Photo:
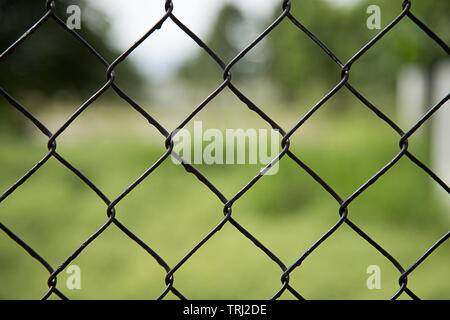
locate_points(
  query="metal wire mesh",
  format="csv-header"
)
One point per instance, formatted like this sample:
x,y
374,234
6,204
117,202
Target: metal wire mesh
x,y
343,212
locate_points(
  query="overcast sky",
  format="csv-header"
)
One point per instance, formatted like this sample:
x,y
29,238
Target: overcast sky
x,y
169,46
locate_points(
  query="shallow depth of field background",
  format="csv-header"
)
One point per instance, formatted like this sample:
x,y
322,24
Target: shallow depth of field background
x,y
111,144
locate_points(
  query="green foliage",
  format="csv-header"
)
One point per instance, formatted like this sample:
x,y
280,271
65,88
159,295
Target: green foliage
x,y
171,211
221,40
299,66
301,70
51,62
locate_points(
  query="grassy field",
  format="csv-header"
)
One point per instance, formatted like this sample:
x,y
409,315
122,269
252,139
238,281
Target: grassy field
x,y
171,211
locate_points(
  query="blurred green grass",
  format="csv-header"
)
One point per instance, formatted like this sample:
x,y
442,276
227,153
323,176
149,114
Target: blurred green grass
x,y
171,211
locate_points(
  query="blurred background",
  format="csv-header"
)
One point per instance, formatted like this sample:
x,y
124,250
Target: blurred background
x,y
285,75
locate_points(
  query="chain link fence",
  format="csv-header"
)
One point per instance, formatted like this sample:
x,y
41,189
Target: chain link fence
x,y
286,268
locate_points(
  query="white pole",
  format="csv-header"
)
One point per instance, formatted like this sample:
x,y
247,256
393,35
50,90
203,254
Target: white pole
x,y
440,143
411,96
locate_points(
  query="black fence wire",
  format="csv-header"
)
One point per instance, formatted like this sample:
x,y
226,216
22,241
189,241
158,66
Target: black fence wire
x,y
343,216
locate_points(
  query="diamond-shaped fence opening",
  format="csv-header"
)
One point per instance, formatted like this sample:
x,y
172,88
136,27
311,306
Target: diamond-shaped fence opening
x,y
223,213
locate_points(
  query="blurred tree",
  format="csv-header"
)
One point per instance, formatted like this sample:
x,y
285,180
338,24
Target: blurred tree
x,y
295,63
51,61
298,66
222,40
